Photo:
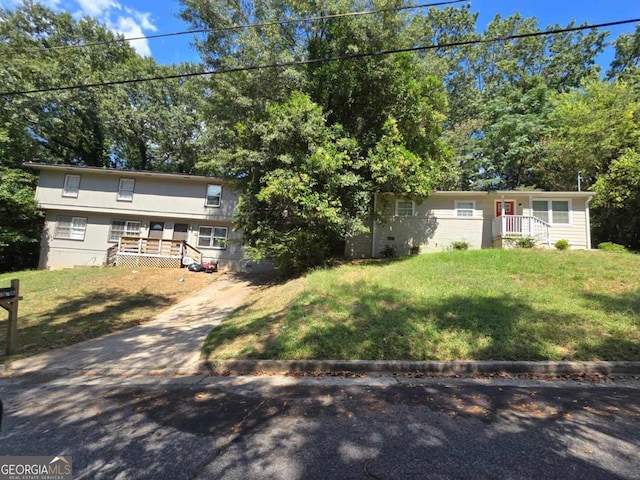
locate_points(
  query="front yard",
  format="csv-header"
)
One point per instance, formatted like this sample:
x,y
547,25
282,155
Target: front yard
x,y
67,306
474,305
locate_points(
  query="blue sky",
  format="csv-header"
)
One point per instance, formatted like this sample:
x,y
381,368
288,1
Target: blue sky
x,y
147,17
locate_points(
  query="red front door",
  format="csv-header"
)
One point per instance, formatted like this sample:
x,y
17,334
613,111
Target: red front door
x,y
508,208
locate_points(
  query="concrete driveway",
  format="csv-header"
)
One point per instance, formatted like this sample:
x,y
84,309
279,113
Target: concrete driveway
x,y
169,343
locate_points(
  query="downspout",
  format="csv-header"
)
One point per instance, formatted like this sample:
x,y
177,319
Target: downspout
x,y
588,221
373,228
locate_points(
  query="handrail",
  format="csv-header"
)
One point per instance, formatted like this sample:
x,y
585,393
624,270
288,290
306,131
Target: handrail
x,y
521,225
112,252
189,248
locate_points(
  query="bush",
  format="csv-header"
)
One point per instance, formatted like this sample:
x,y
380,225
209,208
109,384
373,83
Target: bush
x,y
389,251
562,244
526,242
611,247
461,245
414,250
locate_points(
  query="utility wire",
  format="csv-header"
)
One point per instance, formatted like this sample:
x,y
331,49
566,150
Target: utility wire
x,y
354,56
244,26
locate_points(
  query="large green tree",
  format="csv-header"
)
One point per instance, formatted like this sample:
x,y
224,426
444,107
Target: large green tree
x,y
357,126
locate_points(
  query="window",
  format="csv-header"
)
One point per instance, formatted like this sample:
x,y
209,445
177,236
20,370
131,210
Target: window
x,y
405,208
213,237
123,228
465,208
71,186
125,189
214,193
71,228
555,212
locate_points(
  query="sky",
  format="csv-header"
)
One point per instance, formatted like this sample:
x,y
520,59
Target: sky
x,y
134,18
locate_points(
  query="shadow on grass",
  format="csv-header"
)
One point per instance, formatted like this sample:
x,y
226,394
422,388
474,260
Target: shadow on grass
x,y
367,321
78,319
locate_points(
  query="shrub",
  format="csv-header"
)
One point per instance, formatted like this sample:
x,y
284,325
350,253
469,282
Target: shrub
x,y
414,250
389,251
526,242
611,247
562,244
461,245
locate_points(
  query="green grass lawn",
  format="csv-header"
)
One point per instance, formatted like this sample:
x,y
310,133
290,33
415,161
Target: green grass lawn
x,y
67,306
458,305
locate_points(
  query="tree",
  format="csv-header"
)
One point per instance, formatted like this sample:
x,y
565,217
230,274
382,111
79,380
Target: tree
x,y
301,194
61,127
590,127
21,221
617,202
310,161
156,125
626,63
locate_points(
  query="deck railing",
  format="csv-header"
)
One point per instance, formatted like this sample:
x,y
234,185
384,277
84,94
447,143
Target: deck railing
x,y
521,226
157,251
151,246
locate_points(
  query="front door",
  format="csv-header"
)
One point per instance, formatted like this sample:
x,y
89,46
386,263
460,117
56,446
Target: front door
x,y
509,208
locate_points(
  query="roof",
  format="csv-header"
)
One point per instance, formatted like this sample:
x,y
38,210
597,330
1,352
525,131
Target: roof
x,y
515,193
182,176
121,172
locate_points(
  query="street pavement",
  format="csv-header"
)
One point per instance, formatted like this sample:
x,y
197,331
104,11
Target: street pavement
x,y
196,427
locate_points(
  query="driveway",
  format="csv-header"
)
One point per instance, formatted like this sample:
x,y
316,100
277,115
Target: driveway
x,y
169,343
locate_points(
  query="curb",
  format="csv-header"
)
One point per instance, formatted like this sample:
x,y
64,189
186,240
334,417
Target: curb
x,y
252,367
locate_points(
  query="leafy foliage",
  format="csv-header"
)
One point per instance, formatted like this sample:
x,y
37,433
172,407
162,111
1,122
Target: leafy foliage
x,y
618,201
21,221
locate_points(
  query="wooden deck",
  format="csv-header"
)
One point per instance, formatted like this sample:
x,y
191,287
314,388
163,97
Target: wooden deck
x,y
151,252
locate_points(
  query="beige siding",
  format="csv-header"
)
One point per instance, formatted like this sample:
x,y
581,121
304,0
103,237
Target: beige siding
x,y
153,196
359,246
435,225
63,253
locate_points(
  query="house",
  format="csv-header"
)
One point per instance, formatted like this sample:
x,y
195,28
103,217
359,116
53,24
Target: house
x,y
97,216
481,219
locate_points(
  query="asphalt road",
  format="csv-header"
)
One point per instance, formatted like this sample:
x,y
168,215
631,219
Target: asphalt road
x,y
175,428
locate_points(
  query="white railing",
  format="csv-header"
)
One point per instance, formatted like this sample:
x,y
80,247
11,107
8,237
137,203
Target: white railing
x,y
521,226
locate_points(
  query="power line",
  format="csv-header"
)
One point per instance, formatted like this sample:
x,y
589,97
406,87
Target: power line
x,y
244,26
354,56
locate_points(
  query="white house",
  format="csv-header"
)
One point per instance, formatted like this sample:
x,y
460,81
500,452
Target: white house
x,y
481,219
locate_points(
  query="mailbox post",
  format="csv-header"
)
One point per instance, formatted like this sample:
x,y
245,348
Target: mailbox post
x,y
9,299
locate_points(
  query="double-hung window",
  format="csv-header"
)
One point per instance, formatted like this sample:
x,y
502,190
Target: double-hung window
x,y
125,189
554,212
405,208
71,186
214,195
213,237
465,208
123,228
71,228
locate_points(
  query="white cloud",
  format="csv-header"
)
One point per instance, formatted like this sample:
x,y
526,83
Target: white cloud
x,y
128,27
143,19
97,8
